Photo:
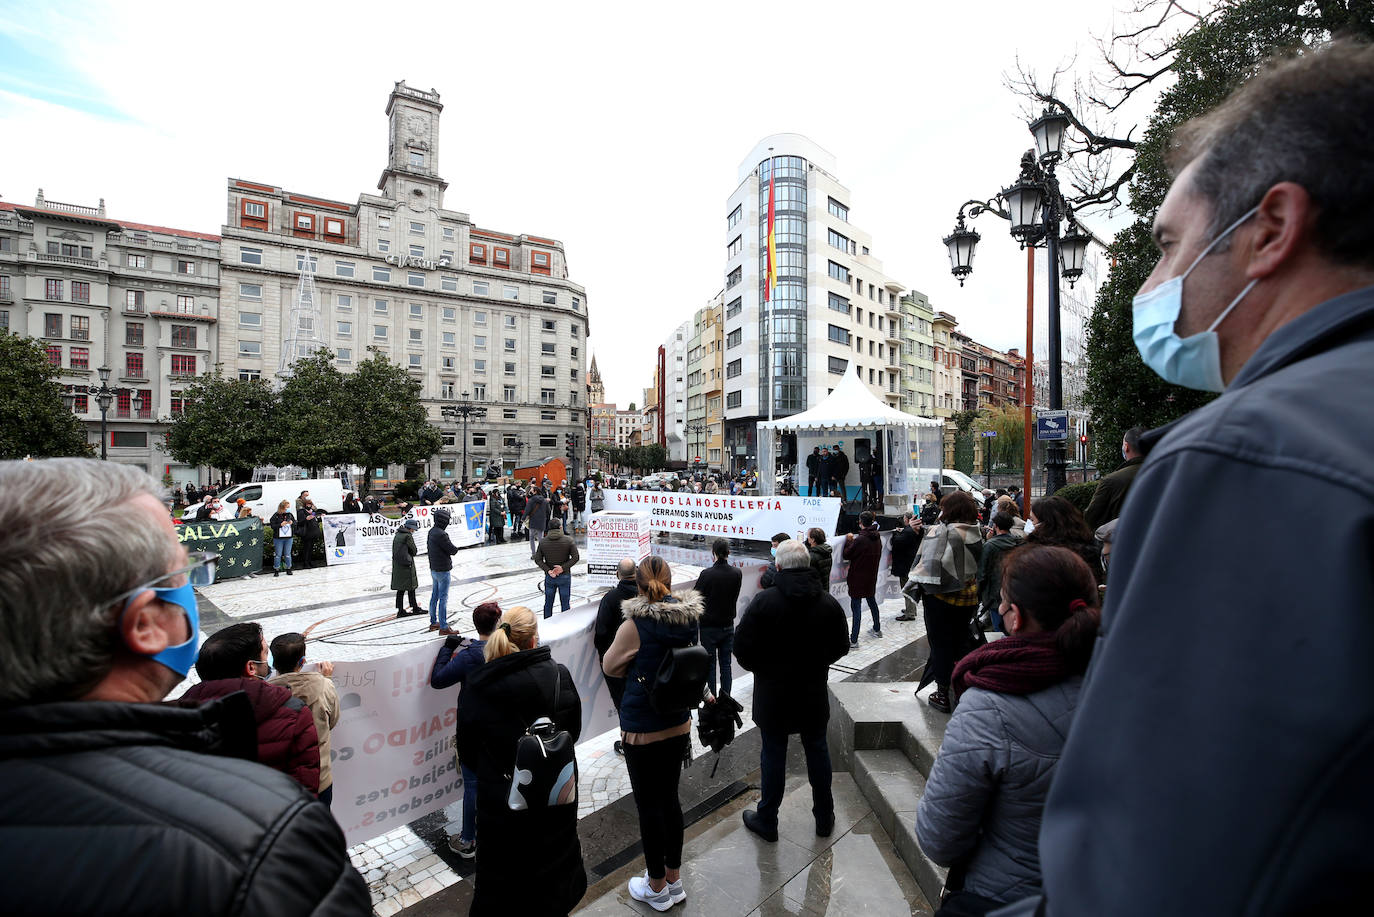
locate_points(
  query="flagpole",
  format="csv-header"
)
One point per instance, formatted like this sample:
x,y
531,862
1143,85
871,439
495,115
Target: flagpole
x,y
769,269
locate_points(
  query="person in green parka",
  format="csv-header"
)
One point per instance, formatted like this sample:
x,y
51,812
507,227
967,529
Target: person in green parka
x,y
404,579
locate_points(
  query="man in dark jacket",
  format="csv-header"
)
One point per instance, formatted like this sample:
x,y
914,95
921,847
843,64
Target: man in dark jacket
x,y
1192,802
863,551
839,470
813,467
822,557
770,571
536,517
906,538
371,504
990,566
515,499
556,555
441,550
788,637
92,736
1110,493
825,469
235,659
609,617
719,585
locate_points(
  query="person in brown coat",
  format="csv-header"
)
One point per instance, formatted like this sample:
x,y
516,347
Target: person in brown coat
x,y
235,659
863,552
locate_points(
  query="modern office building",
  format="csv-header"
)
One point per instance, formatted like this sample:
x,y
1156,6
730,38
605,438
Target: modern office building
x,y
475,314
832,310
137,300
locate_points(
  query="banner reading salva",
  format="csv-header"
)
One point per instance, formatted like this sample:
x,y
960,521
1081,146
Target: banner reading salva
x,y
238,542
752,518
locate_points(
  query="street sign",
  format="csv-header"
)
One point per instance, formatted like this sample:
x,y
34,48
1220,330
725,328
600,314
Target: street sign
x,y
1052,425
988,433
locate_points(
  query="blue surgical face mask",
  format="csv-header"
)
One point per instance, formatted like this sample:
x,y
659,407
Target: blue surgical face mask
x,y
773,552
201,572
182,657
1194,361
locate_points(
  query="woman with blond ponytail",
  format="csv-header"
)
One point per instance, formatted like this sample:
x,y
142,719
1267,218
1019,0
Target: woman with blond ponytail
x,y
530,861
656,621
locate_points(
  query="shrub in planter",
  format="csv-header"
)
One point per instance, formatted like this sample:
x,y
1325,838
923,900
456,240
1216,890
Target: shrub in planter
x,y
1080,495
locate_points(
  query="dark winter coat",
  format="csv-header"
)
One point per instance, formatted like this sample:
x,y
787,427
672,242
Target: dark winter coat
x,y
496,511
403,550
788,637
287,740
990,568
822,561
351,505
102,792
277,519
863,553
986,791
528,862
905,541
663,625
839,467
609,614
537,512
719,586
372,505
441,549
1110,494
516,501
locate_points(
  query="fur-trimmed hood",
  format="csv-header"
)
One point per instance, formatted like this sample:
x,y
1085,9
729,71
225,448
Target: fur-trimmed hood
x,y
685,611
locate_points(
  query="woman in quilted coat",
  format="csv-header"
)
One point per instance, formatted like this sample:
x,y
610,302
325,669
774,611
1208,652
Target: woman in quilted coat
x,y
980,814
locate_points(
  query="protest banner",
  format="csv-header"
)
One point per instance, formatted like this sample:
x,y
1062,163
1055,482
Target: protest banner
x,y
752,518
238,542
351,538
393,750
611,536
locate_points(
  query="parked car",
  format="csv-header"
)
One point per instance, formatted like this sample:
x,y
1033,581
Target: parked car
x,y
264,496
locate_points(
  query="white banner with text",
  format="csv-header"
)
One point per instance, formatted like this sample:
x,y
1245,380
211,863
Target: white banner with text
x,y
751,518
351,538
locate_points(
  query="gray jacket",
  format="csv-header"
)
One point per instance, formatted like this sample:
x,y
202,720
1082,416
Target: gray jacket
x,y
983,800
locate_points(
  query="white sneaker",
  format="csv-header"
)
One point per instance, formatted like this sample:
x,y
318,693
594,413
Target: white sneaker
x,y
677,892
640,890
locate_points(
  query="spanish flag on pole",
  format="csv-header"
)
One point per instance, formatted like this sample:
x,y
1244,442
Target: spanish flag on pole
x,y
772,277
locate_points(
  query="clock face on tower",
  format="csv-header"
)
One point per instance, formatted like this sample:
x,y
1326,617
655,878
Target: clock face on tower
x,y
419,126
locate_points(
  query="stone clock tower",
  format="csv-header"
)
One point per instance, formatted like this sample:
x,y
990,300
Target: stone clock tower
x,y
412,172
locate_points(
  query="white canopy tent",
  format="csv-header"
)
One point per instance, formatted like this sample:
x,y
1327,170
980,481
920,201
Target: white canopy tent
x,y
908,443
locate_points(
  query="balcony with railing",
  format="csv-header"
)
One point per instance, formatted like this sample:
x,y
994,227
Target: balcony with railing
x,y
76,209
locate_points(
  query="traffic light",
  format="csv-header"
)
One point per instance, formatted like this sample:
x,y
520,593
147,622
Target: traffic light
x,y
570,448
1083,438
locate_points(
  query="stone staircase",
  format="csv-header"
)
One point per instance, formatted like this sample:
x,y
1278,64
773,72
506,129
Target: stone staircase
x,y
887,739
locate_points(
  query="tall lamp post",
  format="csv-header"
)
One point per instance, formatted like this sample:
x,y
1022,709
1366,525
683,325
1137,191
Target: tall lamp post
x,y
104,396
1035,207
695,430
463,410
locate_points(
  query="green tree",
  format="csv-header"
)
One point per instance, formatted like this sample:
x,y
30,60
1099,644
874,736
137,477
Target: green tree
x,y
314,423
33,419
225,423
963,422
1207,60
386,420
655,456
1007,448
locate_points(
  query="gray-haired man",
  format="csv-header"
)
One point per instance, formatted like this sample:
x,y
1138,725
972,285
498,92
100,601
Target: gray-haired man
x,y
100,624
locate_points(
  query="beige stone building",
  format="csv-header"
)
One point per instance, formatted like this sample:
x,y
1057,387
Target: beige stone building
x,y
706,386
136,299
476,314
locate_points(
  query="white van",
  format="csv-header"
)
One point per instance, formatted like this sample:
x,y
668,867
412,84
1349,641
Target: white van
x,y
264,496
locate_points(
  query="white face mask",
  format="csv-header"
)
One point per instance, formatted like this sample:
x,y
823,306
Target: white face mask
x,y
1192,362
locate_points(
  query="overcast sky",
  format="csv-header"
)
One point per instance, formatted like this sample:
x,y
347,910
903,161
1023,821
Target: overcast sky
x,y
614,127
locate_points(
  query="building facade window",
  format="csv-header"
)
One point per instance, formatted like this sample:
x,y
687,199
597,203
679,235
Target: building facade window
x,y
133,334
136,260
838,272
250,348
80,328
252,291
183,335
183,364
52,290
79,358
735,307
734,368
540,263
735,247
838,334
344,268
381,274
734,399
837,209
734,338
81,291
838,365
133,300
839,304
415,278
133,366
250,256
735,216
734,277
186,304
480,288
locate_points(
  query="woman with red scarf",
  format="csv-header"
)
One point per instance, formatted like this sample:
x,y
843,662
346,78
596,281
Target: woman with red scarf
x,y
980,814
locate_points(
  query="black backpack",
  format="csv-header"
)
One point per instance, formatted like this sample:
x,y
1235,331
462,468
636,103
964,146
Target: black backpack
x,y
681,679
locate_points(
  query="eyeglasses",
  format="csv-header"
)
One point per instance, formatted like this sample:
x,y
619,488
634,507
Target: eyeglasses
x,y
199,572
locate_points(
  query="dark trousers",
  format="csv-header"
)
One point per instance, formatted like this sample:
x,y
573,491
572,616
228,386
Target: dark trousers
x,y
810,485
856,610
327,795
406,592
308,552
948,633
773,764
720,643
654,770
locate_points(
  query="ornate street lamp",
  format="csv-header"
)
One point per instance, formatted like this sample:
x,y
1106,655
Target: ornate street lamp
x,y
464,409
1035,207
961,244
104,397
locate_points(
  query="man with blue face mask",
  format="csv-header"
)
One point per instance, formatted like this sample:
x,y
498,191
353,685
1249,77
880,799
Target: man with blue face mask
x,y
108,788
1219,759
